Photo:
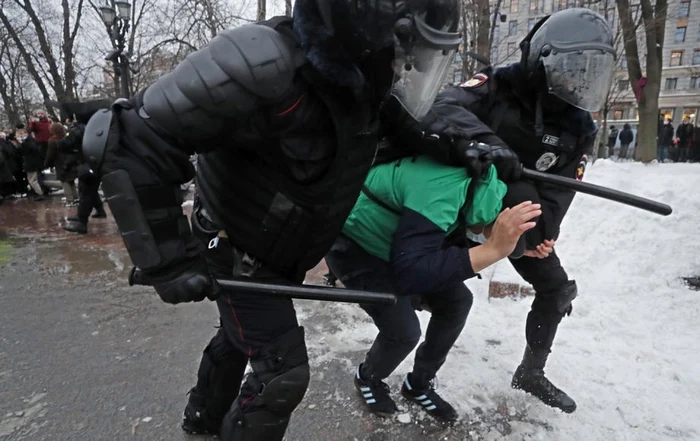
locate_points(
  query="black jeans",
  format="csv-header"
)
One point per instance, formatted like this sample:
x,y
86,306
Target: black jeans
x,y
398,325
88,186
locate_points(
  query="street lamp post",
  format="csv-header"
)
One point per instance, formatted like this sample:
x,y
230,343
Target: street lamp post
x,y
116,16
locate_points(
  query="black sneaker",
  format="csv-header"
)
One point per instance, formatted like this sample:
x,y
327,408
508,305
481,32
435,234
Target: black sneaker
x,y
429,400
535,383
376,394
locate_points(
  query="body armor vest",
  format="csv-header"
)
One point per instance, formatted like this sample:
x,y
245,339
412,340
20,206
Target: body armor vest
x,y
265,209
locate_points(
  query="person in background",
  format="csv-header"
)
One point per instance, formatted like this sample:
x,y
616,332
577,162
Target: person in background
x,y
665,140
7,179
612,139
684,135
32,158
626,138
65,165
39,127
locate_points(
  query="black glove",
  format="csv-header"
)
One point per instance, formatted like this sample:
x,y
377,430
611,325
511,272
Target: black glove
x,y
193,283
478,157
507,163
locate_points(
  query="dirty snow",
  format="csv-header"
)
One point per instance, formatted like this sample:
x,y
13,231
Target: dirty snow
x,y
629,354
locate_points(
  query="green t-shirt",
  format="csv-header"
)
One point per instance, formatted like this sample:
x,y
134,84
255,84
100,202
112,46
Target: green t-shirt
x,y
427,187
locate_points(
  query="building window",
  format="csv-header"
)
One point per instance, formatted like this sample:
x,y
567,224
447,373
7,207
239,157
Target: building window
x,y
531,22
676,58
494,55
696,56
514,6
667,113
623,85
695,82
671,83
533,5
684,9
511,49
617,114
680,34
512,27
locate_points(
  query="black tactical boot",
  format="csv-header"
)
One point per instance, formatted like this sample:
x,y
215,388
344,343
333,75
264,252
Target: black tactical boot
x,y
195,421
75,227
529,377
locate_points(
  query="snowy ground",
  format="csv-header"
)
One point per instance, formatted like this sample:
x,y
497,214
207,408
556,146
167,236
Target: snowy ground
x,y
629,354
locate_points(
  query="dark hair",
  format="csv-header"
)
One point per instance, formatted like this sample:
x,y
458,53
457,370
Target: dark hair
x,y
627,126
19,126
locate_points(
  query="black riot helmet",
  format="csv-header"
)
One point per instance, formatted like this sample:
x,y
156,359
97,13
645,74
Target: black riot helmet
x,y
574,51
423,33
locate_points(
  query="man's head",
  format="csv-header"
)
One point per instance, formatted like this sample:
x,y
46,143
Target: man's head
x,y
415,38
612,127
686,120
571,54
668,121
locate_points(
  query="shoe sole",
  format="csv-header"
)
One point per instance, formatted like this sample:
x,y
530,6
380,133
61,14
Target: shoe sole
x,y
415,402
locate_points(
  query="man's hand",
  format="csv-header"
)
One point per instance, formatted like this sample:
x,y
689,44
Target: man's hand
x,y
542,251
191,284
510,225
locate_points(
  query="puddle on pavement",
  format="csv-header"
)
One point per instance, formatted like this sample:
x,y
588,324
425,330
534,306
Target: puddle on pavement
x,y
24,222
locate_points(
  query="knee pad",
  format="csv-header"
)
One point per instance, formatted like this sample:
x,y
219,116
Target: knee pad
x,y
271,392
557,302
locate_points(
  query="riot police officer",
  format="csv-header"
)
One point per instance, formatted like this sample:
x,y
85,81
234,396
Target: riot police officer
x,y
538,108
285,116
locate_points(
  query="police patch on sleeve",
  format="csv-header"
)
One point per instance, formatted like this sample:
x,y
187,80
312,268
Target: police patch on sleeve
x,y
475,81
580,170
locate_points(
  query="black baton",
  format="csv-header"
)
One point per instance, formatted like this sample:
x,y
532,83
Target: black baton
x,y
597,190
306,292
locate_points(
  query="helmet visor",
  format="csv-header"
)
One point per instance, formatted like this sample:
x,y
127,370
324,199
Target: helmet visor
x,y
581,78
418,79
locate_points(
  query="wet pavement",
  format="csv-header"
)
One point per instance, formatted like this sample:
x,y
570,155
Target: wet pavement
x,y
83,356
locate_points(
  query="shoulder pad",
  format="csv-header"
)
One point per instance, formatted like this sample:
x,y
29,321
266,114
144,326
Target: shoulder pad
x,y
95,138
259,58
240,70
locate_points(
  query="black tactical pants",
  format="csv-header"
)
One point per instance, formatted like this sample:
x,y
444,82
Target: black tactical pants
x,y
547,276
398,325
259,329
88,186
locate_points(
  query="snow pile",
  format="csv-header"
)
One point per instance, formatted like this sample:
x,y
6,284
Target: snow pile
x,y
629,354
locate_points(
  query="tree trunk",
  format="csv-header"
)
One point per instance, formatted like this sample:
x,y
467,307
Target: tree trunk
x,y
288,8
647,132
483,46
262,12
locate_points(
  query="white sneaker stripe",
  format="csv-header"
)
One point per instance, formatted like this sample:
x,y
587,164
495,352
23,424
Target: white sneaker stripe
x,y
364,389
367,395
426,402
421,398
430,407
371,401
405,381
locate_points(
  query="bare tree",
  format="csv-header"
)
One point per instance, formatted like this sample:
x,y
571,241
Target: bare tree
x,y
53,71
262,10
646,87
